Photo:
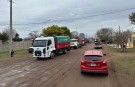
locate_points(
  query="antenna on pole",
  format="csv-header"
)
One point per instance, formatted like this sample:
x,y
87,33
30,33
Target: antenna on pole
x,y
76,32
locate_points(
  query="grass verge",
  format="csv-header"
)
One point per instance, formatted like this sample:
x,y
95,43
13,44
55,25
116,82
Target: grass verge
x,y
124,64
128,50
18,53
126,70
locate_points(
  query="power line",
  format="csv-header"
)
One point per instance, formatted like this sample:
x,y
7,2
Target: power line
x,y
93,12
50,21
95,15
24,29
126,26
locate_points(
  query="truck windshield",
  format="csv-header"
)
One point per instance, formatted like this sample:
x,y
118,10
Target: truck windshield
x,y
73,41
39,43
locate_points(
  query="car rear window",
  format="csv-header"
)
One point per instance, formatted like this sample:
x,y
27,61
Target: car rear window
x,y
93,57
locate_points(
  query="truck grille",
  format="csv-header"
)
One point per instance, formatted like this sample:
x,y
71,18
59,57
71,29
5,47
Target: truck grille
x,y
72,44
37,53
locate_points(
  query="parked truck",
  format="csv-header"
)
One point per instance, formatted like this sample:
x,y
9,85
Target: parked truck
x,y
80,42
74,43
48,47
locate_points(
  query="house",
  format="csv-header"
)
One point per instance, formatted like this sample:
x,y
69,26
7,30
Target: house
x,y
131,41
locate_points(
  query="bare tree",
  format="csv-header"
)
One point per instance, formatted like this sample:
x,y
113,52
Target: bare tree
x,y
82,35
33,34
105,34
7,31
74,34
121,38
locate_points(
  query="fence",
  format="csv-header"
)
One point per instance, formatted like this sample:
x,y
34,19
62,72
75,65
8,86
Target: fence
x,y
16,46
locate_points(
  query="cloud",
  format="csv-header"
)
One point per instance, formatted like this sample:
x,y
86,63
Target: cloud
x,y
49,12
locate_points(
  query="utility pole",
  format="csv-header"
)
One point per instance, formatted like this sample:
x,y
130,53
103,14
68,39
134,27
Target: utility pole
x,y
76,32
10,35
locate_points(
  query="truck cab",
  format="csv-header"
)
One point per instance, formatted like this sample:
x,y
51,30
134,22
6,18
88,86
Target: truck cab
x,y
74,43
43,47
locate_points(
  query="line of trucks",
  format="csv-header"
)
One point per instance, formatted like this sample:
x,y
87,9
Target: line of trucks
x,y
48,47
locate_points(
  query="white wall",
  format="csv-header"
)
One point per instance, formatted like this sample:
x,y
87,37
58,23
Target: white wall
x,y
16,46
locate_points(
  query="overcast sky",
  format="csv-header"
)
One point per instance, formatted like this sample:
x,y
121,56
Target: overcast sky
x,y
87,16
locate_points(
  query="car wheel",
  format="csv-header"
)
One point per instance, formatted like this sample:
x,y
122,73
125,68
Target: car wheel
x,y
75,47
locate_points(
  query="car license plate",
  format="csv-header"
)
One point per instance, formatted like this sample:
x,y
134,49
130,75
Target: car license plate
x,y
92,64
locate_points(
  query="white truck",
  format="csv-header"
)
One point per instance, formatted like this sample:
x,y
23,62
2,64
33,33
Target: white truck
x,y
74,43
47,47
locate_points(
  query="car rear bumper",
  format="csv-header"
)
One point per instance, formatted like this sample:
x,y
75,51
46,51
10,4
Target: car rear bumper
x,y
95,70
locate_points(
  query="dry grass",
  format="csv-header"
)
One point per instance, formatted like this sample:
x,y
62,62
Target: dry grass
x,y
124,64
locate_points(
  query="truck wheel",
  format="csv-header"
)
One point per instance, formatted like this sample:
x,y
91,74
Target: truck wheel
x,y
65,51
69,49
52,55
76,47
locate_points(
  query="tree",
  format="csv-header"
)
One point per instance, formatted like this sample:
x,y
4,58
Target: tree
x,y
121,38
17,38
4,37
132,18
33,34
0,36
74,34
66,31
7,31
82,35
56,30
105,34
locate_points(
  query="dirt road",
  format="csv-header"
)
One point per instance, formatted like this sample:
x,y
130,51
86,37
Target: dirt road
x,y
62,71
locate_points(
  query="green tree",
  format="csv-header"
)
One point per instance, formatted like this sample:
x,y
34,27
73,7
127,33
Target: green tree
x,y
66,31
56,30
132,18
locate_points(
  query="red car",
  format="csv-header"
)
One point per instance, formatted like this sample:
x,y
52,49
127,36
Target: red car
x,y
94,61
